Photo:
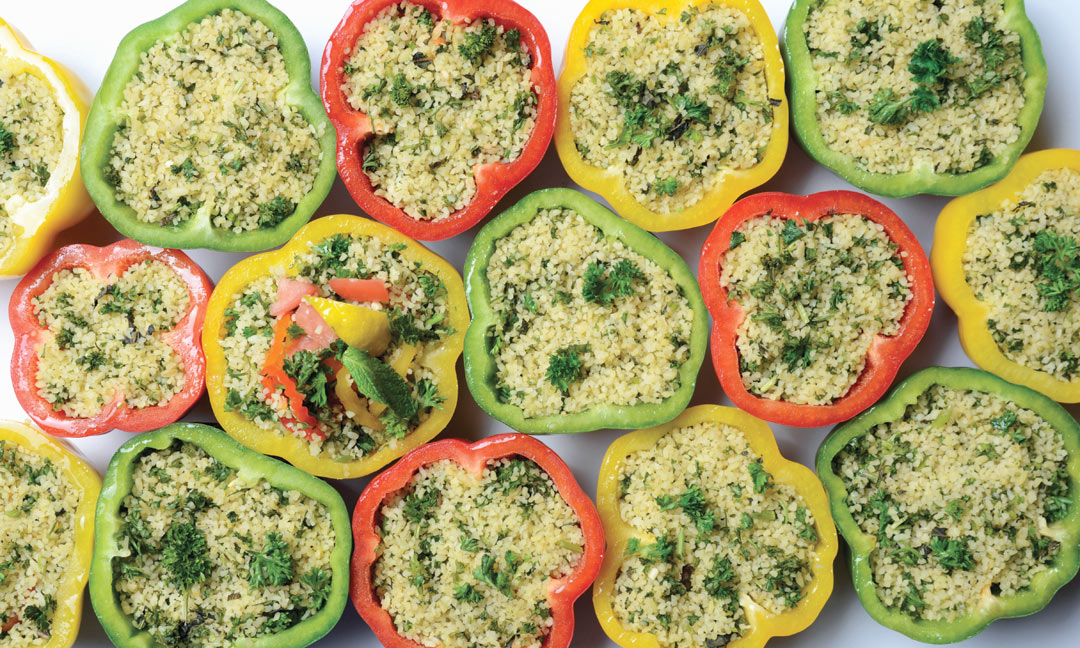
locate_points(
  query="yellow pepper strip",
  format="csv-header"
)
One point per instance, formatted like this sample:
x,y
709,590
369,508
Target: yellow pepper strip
x,y
65,201
946,262
69,596
758,435
357,326
400,364
352,401
609,183
441,359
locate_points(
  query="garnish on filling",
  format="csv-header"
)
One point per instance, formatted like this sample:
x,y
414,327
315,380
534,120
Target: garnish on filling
x,y
814,295
465,561
211,557
673,102
31,139
582,319
389,295
37,537
443,98
107,338
206,129
1023,263
903,84
713,532
958,494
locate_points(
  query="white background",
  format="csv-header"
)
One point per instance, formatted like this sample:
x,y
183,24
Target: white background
x,y
84,35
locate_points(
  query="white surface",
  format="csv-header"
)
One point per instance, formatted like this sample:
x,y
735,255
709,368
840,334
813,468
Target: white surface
x,y
83,35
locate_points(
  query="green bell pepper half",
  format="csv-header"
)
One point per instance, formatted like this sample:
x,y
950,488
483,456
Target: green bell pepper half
x,y
480,370
860,545
104,120
802,81
250,466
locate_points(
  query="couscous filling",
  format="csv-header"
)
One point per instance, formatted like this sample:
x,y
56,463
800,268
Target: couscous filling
x,y
211,557
582,319
107,338
443,98
904,84
417,310
961,494
31,139
714,534
206,129
37,538
672,103
815,295
465,559
1022,261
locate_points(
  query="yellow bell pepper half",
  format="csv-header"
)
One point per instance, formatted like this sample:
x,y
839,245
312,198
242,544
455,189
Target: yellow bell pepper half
x,y
763,625
440,359
946,261
69,596
731,183
65,201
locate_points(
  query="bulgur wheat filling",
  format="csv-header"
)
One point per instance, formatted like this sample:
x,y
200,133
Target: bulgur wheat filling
x,y
1023,263
207,130
672,103
31,139
37,538
465,560
815,296
417,312
959,494
213,557
902,84
106,338
582,320
443,98
713,534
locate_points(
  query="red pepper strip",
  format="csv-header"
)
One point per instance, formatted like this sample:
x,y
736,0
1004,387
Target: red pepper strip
x,y
104,263
9,624
474,457
361,290
494,180
273,376
885,355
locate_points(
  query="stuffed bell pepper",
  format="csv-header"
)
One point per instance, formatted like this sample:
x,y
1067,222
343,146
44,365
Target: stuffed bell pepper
x,y
581,320
48,495
901,97
482,544
671,109
107,337
1007,262
202,542
957,495
816,302
714,538
206,133
42,109
440,108
338,351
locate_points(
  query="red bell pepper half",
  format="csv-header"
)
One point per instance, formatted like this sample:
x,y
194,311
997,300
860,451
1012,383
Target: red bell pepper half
x,y
885,355
353,127
107,263
473,457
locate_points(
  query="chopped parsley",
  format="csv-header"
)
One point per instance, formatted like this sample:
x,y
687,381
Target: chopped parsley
x,y
604,287
273,565
185,555
565,367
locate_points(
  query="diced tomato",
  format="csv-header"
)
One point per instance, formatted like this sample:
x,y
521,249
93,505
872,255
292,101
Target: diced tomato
x,y
9,624
309,319
289,294
361,290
